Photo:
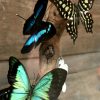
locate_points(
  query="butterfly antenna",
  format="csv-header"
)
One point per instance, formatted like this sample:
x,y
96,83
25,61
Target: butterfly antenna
x,y
20,17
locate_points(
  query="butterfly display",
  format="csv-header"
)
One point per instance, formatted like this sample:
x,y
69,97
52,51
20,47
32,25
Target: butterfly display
x,y
47,88
44,33
33,22
73,13
4,93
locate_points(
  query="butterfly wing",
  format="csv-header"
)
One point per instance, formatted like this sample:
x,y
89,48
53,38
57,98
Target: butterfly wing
x,y
36,17
61,64
85,5
86,17
18,79
50,85
87,21
48,34
65,8
4,93
71,27
45,32
40,9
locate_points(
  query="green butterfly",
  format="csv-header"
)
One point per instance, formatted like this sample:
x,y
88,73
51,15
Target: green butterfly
x,y
47,88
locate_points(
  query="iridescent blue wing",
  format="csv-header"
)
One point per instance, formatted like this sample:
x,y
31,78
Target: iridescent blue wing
x,y
50,85
4,93
86,17
18,79
33,21
45,32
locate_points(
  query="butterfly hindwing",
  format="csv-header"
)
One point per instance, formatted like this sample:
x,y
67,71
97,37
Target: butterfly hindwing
x,y
40,9
4,93
45,32
50,85
18,79
86,17
33,21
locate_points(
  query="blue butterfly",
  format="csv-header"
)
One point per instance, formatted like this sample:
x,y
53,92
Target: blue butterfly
x,y
33,22
47,88
44,33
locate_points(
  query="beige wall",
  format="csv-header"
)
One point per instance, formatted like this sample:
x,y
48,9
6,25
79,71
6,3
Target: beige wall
x,y
83,57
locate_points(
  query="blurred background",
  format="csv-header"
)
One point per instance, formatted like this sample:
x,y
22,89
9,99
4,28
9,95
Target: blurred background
x,y
83,58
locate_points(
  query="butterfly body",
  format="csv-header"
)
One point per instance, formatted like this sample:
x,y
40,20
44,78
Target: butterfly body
x,y
47,88
45,32
73,13
34,20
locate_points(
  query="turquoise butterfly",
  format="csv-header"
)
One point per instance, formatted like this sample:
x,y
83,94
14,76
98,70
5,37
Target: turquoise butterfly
x,y
47,88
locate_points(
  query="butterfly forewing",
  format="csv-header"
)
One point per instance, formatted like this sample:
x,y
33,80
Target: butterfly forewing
x,y
86,18
73,13
42,87
65,8
50,85
87,21
37,16
18,79
72,27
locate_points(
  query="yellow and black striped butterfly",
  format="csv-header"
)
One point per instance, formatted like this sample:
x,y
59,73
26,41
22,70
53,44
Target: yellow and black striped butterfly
x,y
73,13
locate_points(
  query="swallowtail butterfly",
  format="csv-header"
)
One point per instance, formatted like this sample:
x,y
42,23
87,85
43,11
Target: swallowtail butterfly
x,y
47,88
73,13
